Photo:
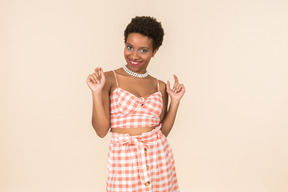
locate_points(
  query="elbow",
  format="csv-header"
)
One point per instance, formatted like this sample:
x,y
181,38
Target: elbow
x,y
166,134
102,135
101,132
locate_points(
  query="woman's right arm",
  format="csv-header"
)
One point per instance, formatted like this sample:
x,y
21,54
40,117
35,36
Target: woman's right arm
x,y
100,95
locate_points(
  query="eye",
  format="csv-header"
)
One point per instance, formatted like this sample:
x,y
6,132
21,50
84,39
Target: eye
x,y
143,50
129,47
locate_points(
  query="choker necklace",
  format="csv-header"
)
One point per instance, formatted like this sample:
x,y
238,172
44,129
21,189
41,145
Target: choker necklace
x,y
135,74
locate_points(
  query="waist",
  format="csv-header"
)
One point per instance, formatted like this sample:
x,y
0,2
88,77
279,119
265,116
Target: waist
x,y
145,135
132,131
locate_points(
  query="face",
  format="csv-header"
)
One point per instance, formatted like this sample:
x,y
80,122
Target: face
x,y
138,52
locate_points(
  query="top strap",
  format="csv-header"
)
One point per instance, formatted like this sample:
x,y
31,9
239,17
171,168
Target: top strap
x,y
115,78
158,85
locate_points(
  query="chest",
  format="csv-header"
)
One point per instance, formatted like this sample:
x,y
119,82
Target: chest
x,y
124,102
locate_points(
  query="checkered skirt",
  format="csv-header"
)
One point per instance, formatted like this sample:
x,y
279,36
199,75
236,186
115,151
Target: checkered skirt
x,y
141,163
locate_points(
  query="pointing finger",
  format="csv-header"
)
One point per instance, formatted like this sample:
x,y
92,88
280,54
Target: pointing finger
x,y
175,78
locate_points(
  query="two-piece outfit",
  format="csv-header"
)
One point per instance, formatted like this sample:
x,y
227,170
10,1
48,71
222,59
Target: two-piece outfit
x,y
142,162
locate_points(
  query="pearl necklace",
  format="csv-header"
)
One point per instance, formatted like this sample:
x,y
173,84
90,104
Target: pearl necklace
x,y
135,74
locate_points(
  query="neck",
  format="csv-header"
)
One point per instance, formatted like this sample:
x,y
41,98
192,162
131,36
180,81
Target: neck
x,y
134,73
140,71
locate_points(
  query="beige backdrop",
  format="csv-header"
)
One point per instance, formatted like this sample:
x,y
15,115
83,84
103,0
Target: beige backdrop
x,y
231,130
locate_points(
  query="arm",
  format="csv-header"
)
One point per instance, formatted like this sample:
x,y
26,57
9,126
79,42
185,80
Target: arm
x,y
100,95
175,94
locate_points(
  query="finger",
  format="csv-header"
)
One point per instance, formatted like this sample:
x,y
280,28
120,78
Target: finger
x,y
176,78
91,79
182,88
97,70
102,76
96,78
175,86
168,86
179,88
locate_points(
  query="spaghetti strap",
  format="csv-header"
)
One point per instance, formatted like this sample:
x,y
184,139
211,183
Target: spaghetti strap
x,y
158,85
115,78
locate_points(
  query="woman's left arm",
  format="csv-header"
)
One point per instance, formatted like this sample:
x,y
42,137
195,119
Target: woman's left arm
x,y
176,93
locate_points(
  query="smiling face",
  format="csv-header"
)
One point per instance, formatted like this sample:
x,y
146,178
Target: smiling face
x,y
138,52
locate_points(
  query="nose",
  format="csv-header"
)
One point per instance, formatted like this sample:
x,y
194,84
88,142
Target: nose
x,y
134,55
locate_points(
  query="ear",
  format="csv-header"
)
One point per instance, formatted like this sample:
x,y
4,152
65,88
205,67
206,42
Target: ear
x,y
154,52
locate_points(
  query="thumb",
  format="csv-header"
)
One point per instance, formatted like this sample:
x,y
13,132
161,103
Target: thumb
x,y
102,75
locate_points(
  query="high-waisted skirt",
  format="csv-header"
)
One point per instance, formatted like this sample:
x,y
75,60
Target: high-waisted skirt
x,y
141,163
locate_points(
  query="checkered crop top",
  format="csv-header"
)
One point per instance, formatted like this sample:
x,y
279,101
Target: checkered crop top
x,y
130,111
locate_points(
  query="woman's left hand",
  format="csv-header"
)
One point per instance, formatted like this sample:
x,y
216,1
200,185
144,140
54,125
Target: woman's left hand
x,y
178,90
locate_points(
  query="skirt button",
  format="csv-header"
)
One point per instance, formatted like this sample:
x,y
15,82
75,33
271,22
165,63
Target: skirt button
x,y
147,183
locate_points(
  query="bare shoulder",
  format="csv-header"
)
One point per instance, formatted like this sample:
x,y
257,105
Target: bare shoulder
x,y
162,84
109,75
110,80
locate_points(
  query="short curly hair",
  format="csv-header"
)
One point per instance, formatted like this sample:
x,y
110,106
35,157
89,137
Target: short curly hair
x,y
147,26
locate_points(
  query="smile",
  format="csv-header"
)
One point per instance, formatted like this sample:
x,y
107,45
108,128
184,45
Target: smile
x,y
134,62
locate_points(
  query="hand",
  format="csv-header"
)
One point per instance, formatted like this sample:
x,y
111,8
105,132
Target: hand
x,y
178,89
96,80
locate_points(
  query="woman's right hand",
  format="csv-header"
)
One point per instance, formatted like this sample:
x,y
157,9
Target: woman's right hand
x,y
96,80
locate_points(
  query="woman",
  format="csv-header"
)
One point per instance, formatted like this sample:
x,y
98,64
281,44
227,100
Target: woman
x,y
134,105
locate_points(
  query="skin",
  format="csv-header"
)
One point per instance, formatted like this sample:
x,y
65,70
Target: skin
x,y
138,52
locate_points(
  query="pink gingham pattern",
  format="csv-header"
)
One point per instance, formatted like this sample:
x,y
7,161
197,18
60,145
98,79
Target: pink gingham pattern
x,y
130,111
141,163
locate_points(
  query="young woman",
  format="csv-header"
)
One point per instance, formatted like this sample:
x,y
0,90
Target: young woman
x,y
134,105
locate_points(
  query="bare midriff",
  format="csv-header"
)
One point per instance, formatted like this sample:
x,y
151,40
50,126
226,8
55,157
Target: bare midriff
x,y
132,131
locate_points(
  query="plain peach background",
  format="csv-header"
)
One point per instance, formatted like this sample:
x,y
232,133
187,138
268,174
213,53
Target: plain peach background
x,y
230,134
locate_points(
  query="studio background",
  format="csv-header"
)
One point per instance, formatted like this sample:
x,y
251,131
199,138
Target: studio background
x,y
230,134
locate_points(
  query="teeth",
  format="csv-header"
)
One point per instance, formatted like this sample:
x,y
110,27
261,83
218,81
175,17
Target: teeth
x,y
134,62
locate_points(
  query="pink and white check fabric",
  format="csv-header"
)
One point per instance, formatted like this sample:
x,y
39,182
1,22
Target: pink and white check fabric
x,y
130,111
141,163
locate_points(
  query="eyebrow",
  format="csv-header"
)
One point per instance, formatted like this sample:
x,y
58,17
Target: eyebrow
x,y
140,47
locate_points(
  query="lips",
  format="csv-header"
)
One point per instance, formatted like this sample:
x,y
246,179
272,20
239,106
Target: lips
x,y
134,63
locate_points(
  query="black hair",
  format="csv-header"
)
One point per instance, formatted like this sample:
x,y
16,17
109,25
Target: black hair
x,y
147,26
